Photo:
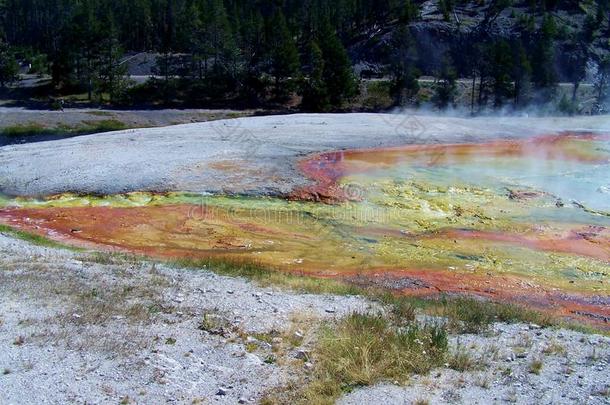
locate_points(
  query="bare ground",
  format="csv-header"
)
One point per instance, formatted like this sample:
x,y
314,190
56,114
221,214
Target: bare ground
x,y
261,152
82,328
91,328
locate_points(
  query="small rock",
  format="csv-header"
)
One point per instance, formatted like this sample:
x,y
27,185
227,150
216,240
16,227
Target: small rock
x,y
242,400
222,391
330,310
265,345
302,354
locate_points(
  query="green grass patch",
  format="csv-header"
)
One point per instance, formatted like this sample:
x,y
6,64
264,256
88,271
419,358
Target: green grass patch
x,y
376,95
25,130
364,349
102,126
100,113
469,315
462,314
33,238
87,127
267,276
232,115
462,360
107,259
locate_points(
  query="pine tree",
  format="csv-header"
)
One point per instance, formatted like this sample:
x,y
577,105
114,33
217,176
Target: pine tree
x,y
602,77
8,65
112,74
221,49
445,87
216,41
251,45
338,74
85,35
522,73
446,8
544,75
284,55
577,57
315,93
410,12
217,51
502,67
403,68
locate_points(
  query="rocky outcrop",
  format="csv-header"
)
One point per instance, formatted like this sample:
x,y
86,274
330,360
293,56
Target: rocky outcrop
x,y
471,23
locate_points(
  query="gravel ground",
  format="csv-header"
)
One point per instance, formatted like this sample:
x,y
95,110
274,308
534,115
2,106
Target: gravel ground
x,y
73,330
85,328
575,369
254,155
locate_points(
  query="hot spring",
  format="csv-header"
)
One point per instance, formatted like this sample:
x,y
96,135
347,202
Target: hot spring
x,y
524,221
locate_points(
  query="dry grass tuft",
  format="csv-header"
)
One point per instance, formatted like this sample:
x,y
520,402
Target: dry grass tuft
x,y
535,367
553,348
19,341
214,323
462,360
363,349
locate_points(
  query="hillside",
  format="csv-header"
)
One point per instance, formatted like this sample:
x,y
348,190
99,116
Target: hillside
x,y
310,54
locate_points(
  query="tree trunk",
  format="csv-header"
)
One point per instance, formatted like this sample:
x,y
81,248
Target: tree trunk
x,y
474,87
480,91
575,90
